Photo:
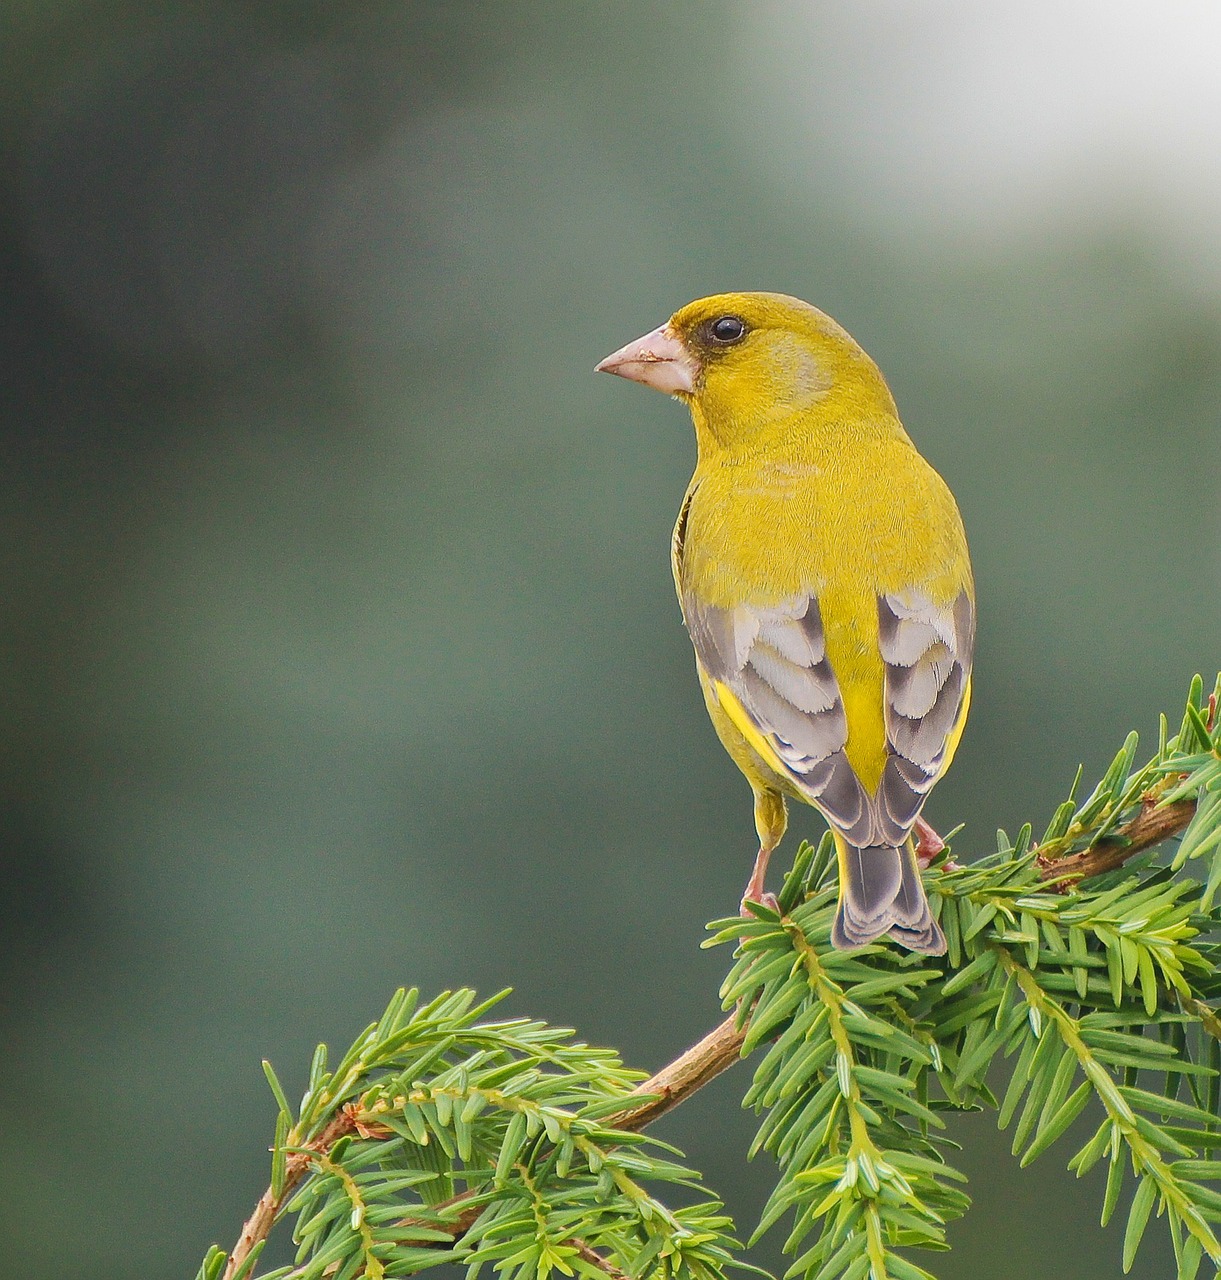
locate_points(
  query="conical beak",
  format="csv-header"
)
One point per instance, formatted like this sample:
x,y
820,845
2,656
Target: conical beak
x,y
659,360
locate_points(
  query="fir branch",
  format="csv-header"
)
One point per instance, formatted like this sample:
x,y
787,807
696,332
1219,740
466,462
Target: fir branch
x,y
512,1110
507,1144
1175,1194
722,1046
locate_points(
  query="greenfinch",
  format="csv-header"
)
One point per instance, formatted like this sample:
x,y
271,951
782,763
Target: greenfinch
x,y
823,574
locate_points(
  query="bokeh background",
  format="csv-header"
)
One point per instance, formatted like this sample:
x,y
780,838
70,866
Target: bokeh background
x,y
340,644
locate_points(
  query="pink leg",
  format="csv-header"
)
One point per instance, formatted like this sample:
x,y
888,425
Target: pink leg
x,y
770,822
754,891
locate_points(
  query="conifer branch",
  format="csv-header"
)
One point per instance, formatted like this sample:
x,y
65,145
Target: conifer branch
x,y
439,1137
722,1046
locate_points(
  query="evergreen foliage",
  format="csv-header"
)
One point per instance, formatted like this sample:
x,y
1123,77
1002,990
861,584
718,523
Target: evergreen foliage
x,y
510,1146
486,1142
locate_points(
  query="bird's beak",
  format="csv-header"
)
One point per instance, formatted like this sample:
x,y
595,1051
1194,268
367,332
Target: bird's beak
x,y
659,360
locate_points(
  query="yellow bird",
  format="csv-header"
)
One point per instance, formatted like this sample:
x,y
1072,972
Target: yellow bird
x,y
822,569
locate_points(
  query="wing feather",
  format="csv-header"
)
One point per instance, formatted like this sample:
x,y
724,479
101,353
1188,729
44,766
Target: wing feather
x,y
927,649
772,662
792,682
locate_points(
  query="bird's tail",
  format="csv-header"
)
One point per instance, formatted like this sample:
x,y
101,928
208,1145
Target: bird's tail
x,y
880,892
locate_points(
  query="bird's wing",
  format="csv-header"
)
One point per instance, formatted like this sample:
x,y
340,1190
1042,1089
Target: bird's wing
x,y
768,669
927,650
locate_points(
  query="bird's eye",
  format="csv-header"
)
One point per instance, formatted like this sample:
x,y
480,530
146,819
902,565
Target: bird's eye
x,y
728,329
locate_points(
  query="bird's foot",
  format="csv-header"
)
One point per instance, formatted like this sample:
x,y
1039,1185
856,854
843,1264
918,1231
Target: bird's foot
x,y
929,845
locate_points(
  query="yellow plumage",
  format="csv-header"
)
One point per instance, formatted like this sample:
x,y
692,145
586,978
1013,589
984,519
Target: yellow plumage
x,y
823,572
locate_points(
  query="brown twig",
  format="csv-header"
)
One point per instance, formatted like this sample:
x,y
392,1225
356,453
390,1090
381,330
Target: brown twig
x,y
716,1052
1153,824
592,1255
261,1221
678,1080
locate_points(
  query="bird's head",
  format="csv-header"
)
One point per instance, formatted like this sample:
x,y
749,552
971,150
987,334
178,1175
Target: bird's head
x,y
747,361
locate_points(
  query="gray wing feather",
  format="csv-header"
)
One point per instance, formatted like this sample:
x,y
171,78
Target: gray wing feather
x,y
804,645
799,685
774,660
927,649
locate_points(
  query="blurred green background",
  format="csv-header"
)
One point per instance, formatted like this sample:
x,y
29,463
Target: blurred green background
x,y
340,643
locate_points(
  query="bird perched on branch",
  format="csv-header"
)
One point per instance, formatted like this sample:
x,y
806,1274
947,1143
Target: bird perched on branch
x,y
823,575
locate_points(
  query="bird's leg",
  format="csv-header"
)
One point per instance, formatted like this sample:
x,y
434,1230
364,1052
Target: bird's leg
x,y
754,891
770,822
